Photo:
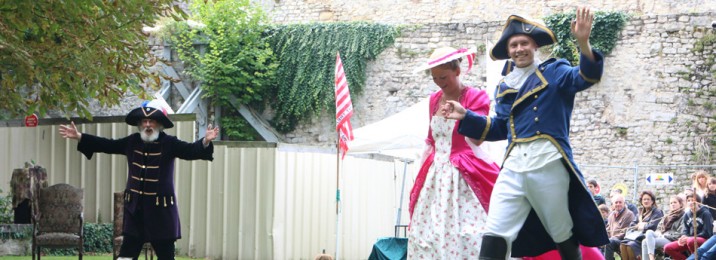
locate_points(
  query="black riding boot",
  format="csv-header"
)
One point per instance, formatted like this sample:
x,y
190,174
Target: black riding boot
x,y
569,249
493,248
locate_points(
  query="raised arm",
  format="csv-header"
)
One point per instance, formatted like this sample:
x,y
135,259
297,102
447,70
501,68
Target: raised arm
x,y
582,29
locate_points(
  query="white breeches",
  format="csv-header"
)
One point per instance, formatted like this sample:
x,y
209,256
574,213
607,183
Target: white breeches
x,y
544,190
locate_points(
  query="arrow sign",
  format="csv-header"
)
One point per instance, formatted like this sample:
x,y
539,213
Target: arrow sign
x,y
660,179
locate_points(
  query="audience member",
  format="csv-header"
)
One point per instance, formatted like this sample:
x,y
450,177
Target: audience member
x,y
619,220
699,217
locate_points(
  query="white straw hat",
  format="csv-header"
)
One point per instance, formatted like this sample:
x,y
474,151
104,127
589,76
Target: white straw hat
x,y
446,54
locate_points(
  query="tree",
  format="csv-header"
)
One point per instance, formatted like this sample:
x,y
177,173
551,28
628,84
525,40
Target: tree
x,y
56,55
238,63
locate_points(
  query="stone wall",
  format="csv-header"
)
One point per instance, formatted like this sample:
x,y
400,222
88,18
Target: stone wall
x,y
654,105
459,11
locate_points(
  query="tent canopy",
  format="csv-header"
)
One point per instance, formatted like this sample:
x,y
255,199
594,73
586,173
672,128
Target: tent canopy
x,y
401,135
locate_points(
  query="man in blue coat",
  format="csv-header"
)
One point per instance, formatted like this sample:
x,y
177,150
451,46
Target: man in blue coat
x,y
540,201
150,208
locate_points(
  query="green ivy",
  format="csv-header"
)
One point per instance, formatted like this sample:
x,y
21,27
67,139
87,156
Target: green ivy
x,y
307,55
605,33
235,127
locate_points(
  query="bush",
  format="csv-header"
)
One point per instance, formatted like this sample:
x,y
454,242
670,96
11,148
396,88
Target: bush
x,y
6,214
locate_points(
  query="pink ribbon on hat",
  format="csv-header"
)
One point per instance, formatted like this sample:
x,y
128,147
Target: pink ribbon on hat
x,y
470,58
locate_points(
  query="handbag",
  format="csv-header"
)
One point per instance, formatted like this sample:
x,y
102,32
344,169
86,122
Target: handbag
x,y
634,235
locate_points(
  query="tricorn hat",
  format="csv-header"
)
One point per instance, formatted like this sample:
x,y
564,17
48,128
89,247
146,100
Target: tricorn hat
x,y
518,25
151,110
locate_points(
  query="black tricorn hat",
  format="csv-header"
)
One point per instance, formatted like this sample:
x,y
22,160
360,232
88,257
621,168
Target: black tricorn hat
x,y
148,110
518,25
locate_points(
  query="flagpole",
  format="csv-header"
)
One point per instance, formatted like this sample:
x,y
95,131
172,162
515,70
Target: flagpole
x,y
338,169
344,134
338,190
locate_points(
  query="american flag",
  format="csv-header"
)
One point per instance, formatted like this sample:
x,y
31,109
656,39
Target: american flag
x,y
344,108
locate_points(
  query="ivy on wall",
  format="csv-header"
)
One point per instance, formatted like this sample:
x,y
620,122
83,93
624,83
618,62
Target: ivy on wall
x,y
307,57
605,33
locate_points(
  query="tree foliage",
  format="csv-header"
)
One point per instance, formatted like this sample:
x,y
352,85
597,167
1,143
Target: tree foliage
x,y
56,55
307,54
237,61
605,33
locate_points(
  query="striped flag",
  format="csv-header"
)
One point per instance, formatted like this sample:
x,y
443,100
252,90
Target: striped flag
x,y
344,108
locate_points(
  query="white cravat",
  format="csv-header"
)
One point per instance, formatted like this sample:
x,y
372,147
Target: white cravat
x,y
517,77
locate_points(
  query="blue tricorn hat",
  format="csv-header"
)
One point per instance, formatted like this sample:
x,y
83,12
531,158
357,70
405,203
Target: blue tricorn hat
x,y
151,111
518,25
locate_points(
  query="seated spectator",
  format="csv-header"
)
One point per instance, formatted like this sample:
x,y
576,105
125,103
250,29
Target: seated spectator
x,y
710,197
699,183
604,209
628,204
594,188
648,219
619,220
704,229
670,229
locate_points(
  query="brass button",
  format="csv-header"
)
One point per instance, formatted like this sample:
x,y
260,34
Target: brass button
x,y
536,119
538,132
536,96
145,154
144,166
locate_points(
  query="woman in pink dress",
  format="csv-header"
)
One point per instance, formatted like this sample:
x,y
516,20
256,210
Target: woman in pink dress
x,y
451,194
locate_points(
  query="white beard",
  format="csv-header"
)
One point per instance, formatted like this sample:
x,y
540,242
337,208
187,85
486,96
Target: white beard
x,y
149,137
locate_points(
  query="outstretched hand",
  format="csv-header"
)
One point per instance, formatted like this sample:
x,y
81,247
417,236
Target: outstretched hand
x,y
582,28
70,131
452,110
211,134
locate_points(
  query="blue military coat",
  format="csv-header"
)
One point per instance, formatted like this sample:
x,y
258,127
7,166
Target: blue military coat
x,y
150,180
542,109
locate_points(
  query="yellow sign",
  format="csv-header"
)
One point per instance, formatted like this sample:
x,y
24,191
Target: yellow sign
x,y
623,187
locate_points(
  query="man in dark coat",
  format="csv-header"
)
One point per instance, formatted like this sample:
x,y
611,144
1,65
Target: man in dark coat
x,y
150,208
540,201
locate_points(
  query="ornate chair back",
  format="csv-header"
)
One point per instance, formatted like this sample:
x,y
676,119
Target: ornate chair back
x,y
59,219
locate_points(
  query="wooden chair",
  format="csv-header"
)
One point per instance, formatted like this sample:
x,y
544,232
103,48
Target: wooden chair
x,y
118,223
58,220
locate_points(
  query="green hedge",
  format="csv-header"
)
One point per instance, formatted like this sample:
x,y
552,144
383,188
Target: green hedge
x,y
98,240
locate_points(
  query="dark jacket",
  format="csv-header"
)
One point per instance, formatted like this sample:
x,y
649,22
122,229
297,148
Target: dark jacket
x,y
652,219
704,223
150,200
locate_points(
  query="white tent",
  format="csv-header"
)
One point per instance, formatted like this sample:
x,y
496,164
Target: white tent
x,y
401,135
